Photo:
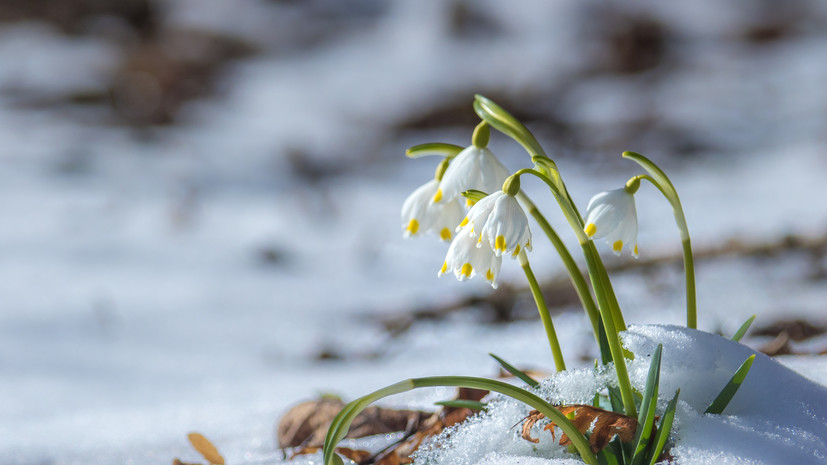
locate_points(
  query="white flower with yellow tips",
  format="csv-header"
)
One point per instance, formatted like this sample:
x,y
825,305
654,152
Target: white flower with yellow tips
x,y
467,257
473,168
499,220
612,215
421,215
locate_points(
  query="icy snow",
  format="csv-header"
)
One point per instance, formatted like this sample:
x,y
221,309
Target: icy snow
x,y
778,416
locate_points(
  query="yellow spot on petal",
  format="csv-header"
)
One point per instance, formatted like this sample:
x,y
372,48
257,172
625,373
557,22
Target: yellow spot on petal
x,y
413,227
469,202
617,246
516,251
489,275
464,222
590,229
636,249
445,234
479,241
499,243
466,270
438,195
444,267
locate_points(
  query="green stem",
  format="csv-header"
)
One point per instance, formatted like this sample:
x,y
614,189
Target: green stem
x,y
606,299
341,424
545,315
611,333
577,279
659,179
689,270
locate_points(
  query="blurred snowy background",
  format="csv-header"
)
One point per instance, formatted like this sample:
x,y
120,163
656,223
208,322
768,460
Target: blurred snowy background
x,y
200,198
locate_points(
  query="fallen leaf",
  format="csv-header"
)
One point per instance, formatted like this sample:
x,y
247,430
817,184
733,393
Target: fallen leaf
x,y
358,456
205,448
604,425
307,423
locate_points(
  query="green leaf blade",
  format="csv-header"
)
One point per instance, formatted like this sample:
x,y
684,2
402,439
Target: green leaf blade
x,y
743,329
516,371
665,428
728,392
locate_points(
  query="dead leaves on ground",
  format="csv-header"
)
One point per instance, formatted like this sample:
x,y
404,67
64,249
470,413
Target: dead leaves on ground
x,y
305,427
205,448
604,425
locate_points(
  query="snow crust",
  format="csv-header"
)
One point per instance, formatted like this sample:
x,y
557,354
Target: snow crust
x,y
778,416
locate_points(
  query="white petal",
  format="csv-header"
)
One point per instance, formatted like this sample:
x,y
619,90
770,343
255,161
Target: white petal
x,y
415,207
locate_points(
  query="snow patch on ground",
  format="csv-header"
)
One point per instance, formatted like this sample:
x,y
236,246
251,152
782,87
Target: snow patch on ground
x,y
778,416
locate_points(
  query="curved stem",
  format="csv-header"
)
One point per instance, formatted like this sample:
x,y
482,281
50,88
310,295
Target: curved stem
x,y
659,179
606,300
577,279
545,315
341,424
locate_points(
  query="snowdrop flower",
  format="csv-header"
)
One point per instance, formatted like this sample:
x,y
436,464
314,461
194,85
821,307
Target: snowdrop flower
x,y
612,215
421,215
473,168
500,221
468,257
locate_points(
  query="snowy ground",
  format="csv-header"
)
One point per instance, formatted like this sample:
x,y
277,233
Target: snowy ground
x,y
181,278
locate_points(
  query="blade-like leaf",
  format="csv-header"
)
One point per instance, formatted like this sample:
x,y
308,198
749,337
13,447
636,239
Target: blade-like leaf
x,y
728,392
743,329
516,372
646,417
472,404
664,428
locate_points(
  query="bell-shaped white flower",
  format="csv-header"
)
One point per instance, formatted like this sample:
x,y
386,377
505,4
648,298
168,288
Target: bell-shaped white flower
x,y
421,215
467,257
499,221
473,168
612,215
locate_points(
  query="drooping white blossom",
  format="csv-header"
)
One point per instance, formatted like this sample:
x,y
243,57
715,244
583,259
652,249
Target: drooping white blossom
x,y
467,257
473,168
612,214
421,215
499,220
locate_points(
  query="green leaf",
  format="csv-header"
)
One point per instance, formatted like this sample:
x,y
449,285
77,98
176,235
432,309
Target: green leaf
x,y
664,428
433,149
743,329
460,403
516,372
646,417
728,392
341,423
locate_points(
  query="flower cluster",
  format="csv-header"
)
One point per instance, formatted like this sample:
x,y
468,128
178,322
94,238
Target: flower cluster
x,y
495,226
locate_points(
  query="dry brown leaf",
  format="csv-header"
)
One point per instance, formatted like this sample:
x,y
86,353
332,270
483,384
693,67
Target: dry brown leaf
x,y
179,462
358,456
603,424
205,448
306,424
309,426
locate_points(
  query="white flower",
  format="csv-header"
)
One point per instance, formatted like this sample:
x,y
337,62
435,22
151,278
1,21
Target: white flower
x,y
421,215
500,221
467,257
612,215
473,168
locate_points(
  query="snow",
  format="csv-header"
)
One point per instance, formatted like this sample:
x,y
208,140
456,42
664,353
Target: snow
x,y
138,304
777,416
